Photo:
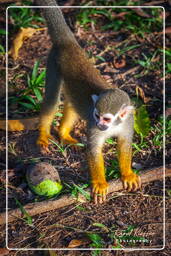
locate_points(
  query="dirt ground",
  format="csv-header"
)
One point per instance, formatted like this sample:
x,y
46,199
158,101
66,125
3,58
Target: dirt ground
x,y
143,211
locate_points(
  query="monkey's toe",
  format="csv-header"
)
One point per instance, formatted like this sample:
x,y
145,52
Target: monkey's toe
x,y
99,192
131,182
43,143
68,140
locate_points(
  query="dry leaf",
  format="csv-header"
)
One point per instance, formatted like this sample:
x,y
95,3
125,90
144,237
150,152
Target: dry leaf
x,y
23,34
141,13
129,71
168,112
139,91
121,15
120,62
77,242
167,31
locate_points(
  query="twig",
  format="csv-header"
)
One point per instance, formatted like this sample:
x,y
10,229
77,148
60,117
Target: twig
x,y
45,206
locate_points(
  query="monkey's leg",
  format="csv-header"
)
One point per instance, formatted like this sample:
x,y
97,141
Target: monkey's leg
x,y
131,181
53,84
97,169
67,123
44,130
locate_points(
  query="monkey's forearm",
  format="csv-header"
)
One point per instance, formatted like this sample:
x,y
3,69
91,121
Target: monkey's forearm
x,y
125,155
131,181
96,165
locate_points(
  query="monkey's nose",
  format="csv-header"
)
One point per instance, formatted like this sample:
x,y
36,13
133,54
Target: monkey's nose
x,y
102,127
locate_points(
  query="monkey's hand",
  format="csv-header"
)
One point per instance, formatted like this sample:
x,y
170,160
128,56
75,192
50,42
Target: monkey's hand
x,y
99,191
131,181
43,142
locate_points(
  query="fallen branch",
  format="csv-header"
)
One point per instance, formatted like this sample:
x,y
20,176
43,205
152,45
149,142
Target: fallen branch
x,y
45,206
8,1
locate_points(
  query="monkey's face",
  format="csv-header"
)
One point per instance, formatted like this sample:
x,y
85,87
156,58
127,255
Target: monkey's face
x,y
111,109
105,121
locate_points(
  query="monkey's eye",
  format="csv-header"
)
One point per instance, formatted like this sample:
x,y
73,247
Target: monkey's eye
x,y
107,119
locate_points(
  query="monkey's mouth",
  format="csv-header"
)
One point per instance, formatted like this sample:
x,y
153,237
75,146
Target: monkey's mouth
x,y
102,127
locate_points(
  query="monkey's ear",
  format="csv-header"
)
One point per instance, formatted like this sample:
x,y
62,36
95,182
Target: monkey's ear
x,y
125,111
94,98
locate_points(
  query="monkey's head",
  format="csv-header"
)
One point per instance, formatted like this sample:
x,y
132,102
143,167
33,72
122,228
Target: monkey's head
x,y
111,108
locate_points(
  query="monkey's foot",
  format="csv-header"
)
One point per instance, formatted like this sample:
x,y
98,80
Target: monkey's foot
x,y
99,191
43,143
68,140
131,182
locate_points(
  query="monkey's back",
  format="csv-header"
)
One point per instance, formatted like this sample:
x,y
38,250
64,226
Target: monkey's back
x,y
81,78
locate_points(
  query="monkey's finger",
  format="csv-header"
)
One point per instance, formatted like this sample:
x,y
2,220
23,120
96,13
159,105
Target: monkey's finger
x,y
139,182
130,186
100,199
94,196
94,189
104,197
44,149
125,185
95,199
135,186
104,194
107,190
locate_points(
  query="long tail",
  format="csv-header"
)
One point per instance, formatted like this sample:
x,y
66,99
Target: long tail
x,y
58,29
20,124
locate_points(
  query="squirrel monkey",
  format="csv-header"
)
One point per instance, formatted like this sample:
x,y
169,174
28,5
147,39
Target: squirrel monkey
x,y
108,112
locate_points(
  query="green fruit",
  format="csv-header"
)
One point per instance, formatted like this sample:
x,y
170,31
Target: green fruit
x,y
47,188
43,179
